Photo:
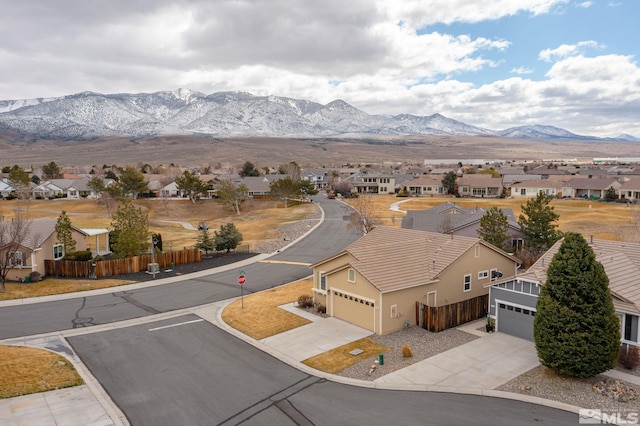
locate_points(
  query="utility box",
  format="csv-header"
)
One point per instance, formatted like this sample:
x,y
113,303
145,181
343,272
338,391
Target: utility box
x,y
153,267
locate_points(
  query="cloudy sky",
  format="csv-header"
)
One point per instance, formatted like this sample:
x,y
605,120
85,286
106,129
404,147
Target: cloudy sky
x,y
490,63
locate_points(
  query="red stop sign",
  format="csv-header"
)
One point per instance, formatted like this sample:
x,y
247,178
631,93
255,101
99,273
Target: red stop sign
x,y
242,279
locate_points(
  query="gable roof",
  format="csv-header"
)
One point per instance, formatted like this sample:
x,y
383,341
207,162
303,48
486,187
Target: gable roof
x,y
595,183
37,231
449,217
394,258
621,262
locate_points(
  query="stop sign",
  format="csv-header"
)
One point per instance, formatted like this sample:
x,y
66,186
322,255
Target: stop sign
x,y
242,279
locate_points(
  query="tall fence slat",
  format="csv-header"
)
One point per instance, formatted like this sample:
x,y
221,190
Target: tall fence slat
x,y
440,318
113,267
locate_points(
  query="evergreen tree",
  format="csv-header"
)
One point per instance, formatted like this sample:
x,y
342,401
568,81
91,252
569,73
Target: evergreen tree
x,y
205,242
248,169
133,182
228,238
130,230
449,182
51,171
494,226
537,224
576,329
191,185
64,234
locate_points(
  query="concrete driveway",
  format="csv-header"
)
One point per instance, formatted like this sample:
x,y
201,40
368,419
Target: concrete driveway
x,y
484,363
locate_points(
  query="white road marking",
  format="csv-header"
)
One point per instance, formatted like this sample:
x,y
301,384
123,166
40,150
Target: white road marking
x,y
176,325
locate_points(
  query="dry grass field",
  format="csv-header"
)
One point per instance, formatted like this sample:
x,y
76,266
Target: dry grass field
x,y
24,371
258,221
612,221
55,286
202,150
248,316
338,359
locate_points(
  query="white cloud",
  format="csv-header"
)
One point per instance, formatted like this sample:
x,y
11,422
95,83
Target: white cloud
x,y
566,50
521,70
585,4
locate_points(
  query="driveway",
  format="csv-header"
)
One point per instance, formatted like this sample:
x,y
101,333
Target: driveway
x,y
484,363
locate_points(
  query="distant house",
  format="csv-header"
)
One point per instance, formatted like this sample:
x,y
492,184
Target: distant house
x,y
391,277
513,299
373,183
425,185
39,243
5,189
259,186
449,218
67,188
479,185
630,190
595,188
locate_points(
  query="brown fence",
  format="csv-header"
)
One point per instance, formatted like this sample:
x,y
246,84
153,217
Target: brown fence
x,y
443,317
112,267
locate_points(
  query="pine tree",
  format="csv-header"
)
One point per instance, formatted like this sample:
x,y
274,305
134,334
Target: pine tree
x,y
64,234
537,222
228,238
130,230
205,242
576,329
494,226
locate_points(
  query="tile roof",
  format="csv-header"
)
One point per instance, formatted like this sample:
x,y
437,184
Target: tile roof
x,y
395,258
37,231
449,216
621,261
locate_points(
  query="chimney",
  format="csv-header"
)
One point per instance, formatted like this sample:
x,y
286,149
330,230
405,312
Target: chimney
x,y
434,265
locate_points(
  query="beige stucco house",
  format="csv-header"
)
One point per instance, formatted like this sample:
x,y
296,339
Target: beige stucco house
x,y
36,244
384,280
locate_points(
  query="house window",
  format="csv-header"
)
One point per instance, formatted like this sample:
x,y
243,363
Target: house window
x,y
477,250
16,258
323,281
58,252
351,276
523,191
517,243
467,283
394,311
483,274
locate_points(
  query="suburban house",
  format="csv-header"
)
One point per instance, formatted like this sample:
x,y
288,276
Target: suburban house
x,y
373,183
425,185
259,186
5,189
594,188
479,185
448,218
393,277
513,300
630,190
68,188
531,188
38,243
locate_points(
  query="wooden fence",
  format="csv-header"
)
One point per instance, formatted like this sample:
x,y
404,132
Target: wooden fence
x,y
443,317
112,267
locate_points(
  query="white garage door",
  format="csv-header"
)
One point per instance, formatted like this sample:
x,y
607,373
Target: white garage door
x,y
515,320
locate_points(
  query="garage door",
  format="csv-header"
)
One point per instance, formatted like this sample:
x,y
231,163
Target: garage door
x,y
515,320
353,309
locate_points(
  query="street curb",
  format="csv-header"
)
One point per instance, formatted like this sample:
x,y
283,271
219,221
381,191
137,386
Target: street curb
x,y
375,385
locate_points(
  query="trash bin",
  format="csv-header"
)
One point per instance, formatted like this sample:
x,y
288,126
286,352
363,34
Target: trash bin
x,y
381,359
27,279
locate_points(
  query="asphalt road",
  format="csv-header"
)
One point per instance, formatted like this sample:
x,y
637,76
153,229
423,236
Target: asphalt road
x,y
331,236
197,374
186,371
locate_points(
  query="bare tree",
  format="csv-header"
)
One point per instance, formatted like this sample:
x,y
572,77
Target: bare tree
x,y
13,234
365,218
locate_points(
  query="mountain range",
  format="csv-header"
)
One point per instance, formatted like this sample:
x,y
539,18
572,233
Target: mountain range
x,y
89,115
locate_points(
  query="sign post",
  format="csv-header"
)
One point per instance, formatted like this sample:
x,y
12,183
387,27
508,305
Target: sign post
x,y
242,278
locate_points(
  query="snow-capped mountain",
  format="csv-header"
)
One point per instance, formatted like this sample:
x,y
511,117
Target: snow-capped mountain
x,y
89,115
